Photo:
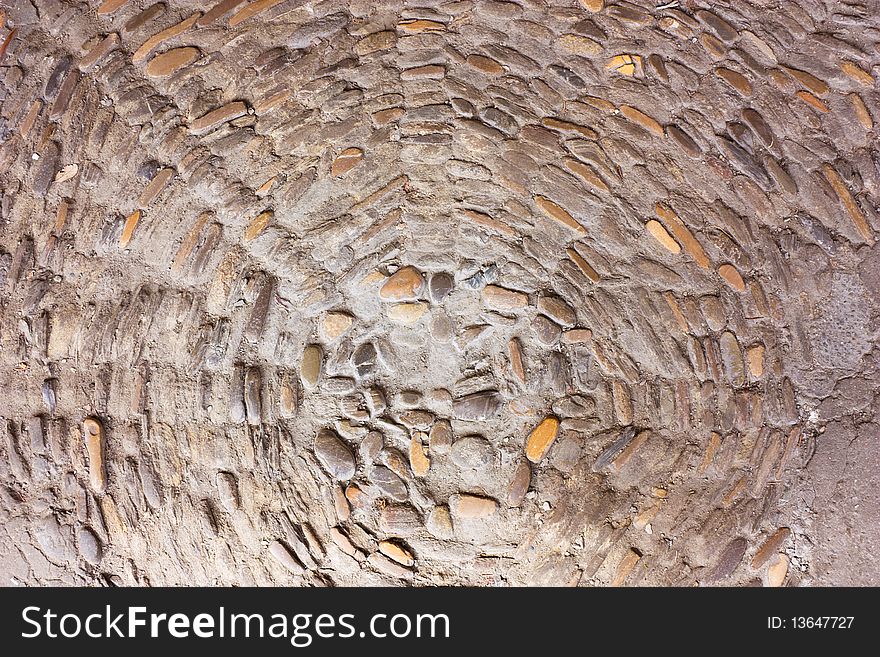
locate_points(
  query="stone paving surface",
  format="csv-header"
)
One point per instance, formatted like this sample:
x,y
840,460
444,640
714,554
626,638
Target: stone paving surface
x,y
537,292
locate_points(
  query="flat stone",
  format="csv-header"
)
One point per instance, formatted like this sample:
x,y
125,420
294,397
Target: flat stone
x,y
440,437
365,358
334,454
346,161
171,61
558,310
472,506
755,360
541,438
656,229
577,44
417,419
777,571
547,332
770,547
310,368
388,566
472,453
399,520
407,313
728,561
375,42
404,285
397,552
477,406
514,350
419,462
519,484
729,273
335,324
485,64
440,522
641,119
218,117
284,557
389,483
93,434
559,214
577,336
731,356
503,299
439,286
339,385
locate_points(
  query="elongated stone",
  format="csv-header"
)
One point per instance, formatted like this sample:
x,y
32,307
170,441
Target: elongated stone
x,y
731,356
728,561
514,350
215,118
170,62
253,384
418,460
284,557
310,368
399,520
659,233
541,438
398,553
770,547
477,406
389,483
559,214
334,454
519,484
93,434
472,506
346,161
500,298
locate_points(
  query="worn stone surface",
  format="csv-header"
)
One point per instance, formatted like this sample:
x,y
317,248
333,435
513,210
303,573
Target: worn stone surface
x,y
283,281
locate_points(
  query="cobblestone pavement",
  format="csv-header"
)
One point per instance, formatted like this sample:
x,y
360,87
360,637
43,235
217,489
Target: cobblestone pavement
x,y
439,292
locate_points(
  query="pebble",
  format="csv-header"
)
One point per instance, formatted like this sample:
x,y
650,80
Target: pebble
x,y
659,233
334,454
399,520
541,438
310,368
439,522
439,286
577,336
440,437
472,506
418,460
397,552
777,571
770,547
346,161
171,61
385,565
215,118
389,483
335,324
728,561
370,446
514,350
417,419
93,434
559,214
407,313
519,484
546,331
477,406
89,546
365,359
503,299
558,310
472,453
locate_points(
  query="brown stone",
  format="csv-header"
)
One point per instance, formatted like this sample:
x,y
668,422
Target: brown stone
x,y
514,350
593,5
472,506
485,64
398,553
334,454
640,118
218,117
375,42
170,62
854,71
161,37
500,298
440,522
421,25
258,225
580,45
755,359
659,232
404,285
810,99
577,336
131,223
808,80
683,234
736,80
770,547
346,161
557,213
335,324
93,434
625,567
418,460
541,438
861,111
849,203
731,356
777,571
429,72
583,265
407,313
729,273
628,65
399,520
587,174
383,117
519,484
157,184
440,437
310,369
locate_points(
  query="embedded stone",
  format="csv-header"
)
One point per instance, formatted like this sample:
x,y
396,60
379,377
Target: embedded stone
x,y
310,368
557,310
171,61
389,483
541,438
334,454
472,506
472,453
477,406
500,298
404,285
